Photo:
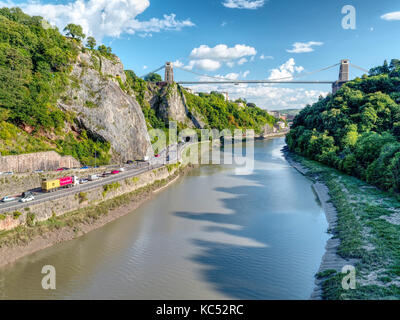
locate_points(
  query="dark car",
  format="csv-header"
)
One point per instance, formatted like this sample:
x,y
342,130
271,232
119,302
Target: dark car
x,y
27,194
130,162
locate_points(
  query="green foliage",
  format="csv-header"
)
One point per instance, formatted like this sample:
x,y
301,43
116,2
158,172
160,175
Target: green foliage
x,y
106,52
75,31
153,77
34,63
220,114
89,149
16,215
109,187
91,43
30,219
364,232
357,130
82,197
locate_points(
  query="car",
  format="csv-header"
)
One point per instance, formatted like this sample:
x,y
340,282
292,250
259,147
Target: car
x,y
60,169
130,162
8,199
93,177
82,181
28,198
85,167
157,155
121,169
115,172
9,173
38,171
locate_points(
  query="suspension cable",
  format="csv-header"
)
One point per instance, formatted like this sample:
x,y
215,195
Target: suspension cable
x,y
277,80
360,68
153,71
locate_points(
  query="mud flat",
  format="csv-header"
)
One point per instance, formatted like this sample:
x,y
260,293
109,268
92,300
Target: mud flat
x,y
331,260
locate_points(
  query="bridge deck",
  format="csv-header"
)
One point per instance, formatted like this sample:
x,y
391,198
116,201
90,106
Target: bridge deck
x,y
255,81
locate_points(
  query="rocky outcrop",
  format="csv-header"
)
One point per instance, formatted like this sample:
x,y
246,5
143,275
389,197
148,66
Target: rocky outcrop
x,y
47,161
170,105
104,109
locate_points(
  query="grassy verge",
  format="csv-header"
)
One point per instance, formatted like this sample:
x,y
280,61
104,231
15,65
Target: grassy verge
x,y
369,230
23,234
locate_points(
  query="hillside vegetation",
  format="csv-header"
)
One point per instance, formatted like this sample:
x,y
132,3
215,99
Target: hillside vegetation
x,y
357,130
214,110
220,114
35,62
39,89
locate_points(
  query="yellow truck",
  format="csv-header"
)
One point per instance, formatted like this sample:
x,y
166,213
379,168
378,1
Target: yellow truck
x,y
55,184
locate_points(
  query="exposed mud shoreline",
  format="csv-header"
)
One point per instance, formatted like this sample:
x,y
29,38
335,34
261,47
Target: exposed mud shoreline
x,y
331,259
9,254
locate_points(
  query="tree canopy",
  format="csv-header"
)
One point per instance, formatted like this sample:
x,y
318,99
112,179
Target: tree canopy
x,y
153,77
35,63
91,42
357,130
75,31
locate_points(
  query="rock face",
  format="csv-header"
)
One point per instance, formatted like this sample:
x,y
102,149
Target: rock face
x,y
103,108
47,161
170,104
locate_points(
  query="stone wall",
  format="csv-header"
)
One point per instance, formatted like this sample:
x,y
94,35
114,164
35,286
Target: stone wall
x,y
45,210
47,161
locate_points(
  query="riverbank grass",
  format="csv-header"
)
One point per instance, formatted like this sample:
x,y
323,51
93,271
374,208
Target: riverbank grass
x,y
368,227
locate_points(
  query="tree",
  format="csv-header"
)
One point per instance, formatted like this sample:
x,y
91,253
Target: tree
x,y
91,43
153,77
75,31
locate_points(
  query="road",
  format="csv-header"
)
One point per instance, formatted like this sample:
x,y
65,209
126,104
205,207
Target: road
x,y
131,171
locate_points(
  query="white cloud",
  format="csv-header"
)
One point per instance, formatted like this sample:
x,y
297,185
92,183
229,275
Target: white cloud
x,y
285,71
222,54
391,16
145,67
267,97
224,23
242,61
100,18
178,64
263,57
303,47
246,73
243,4
204,64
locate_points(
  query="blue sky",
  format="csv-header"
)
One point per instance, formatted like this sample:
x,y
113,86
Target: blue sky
x,y
237,39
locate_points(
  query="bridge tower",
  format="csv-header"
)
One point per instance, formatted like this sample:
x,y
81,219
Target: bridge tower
x,y
343,75
169,72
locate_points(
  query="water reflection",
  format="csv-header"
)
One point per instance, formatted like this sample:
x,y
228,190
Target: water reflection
x,y
211,235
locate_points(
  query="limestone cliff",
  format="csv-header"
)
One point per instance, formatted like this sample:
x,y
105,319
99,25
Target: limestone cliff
x,y
169,103
104,109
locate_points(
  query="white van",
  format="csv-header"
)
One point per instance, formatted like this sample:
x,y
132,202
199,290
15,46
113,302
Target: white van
x,y
93,177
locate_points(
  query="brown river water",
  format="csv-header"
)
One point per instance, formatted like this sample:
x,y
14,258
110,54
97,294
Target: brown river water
x,y
210,235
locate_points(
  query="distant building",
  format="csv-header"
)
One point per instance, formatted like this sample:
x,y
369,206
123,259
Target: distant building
x,y
283,117
226,95
281,125
275,114
189,90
